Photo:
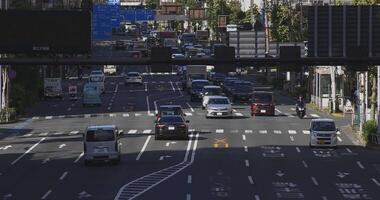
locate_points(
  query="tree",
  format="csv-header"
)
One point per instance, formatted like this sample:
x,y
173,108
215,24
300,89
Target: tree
x,y
152,4
237,16
252,15
215,8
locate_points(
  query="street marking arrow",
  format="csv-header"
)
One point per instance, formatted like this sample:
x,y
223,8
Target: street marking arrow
x,y
342,174
5,147
280,173
61,146
84,194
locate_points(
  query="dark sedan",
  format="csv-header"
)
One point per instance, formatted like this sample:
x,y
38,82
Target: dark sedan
x,y
171,127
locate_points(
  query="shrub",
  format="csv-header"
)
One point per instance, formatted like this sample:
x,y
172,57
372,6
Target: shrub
x,y
369,127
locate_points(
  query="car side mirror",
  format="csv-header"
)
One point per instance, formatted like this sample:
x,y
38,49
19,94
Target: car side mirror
x,y
187,121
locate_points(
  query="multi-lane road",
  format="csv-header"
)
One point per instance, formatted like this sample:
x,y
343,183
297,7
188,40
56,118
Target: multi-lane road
x,y
259,158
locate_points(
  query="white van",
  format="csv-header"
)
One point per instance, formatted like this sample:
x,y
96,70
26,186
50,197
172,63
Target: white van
x,y
102,143
97,77
323,132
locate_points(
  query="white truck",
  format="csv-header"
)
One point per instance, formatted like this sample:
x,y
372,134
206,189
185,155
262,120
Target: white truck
x,y
109,69
53,88
195,72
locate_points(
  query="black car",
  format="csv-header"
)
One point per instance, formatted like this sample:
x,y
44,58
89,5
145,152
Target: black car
x,y
197,88
174,126
241,91
218,78
170,110
228,84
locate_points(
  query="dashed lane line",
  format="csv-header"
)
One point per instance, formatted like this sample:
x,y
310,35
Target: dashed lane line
x,y
189,179
277,132
132,131
305,164
250,179
339,139
292,132
298,150
244,138
46,194
360,164
188,196
314,181
291,138
245,148
63,175
306,132
248,131
143,148
375,181
27,151
246,163
191,108
257,197
219,131
79,157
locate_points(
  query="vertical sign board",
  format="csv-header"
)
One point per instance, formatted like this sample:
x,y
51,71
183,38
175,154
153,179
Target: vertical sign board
x,y
113,2
101,23
222,21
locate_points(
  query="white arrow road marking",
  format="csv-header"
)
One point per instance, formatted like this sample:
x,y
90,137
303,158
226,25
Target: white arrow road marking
x,y
169,143
5,147
280,173
84,194
143,148
29,150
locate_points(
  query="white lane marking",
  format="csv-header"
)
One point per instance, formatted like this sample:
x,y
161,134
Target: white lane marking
x,y
188,196
87,115
191,130
324,198
263,131
112,115
109,108
305,164
375,181
73,132
49,117
28,135
137,114
179,89
292,138
69,109
147,105
306,132
314,181
191,108
5,147
57,133
247,163
29,150
298,149
132,131
61,146
155,107
289,115
126,115
63,175
245,148
171,83
194,148
243,136
292,132
219,131
35,118
188,148
238,114
143,148
315,115
250,179
79,157
233,110
339,139
169,143
277,132
46,194
257,197
293,109
116,88
189,179
278,110
348,150
162,81
248,131
147,131
189,114
146,86
360,164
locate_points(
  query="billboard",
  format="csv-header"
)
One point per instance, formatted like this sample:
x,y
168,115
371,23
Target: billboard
x,y
222,21
197,14
27,31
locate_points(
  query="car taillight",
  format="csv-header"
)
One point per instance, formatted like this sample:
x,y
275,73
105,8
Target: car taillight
x,y
182,126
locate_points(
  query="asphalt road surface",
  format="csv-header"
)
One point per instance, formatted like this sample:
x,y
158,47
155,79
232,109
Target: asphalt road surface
x,y
258,158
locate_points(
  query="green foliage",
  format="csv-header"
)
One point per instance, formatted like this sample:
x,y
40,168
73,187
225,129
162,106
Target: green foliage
x,y
237,15
364,2
369,127
25,88
153,4
252,14
216,7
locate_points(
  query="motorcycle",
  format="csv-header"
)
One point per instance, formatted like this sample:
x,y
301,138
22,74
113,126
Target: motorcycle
x,y
301,111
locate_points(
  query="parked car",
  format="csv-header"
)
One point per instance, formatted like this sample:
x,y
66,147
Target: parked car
x,y
323,132
218,106
102,143
262,103
171,126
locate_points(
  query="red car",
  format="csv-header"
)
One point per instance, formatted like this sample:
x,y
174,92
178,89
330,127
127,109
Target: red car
x,y
262,103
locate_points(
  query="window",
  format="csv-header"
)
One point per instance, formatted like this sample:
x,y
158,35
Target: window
x,y
100,135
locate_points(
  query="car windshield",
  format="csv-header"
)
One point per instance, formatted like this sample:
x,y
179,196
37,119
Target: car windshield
x,y
199,84
170,111
171,119
100,135
133,74
218,101
212,91
262,98
323,126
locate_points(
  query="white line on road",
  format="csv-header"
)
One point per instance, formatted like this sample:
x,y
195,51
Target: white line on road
x,y
179,89
61,146
340,139
147,104
191,108
248,131
243,136
188,148
360,164
194,148
155,107
189,179
146,86
375,181
73,132
147,131
108,108
49,117
314,181
292,132
188,197
69,109
219,131
143,148
126,115
292,138
245,148
277,132
278,110
298,149
189,114
250,179
305,164
306,132
132,131
247,163
116,88
63,175
257,197
324,198
263,131
171,83
29,150
348,150
45,160
79,157
314,115
46,194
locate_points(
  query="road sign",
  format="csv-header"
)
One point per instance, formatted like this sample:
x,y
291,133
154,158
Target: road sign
x,y
222,21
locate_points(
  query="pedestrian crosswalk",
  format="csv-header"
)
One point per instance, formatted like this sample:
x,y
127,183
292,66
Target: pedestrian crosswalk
x,y
142,114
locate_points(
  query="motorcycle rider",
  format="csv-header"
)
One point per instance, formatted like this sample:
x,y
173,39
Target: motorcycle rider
x,y
300,103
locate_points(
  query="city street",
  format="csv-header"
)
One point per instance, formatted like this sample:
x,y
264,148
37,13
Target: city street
x,y
240,158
